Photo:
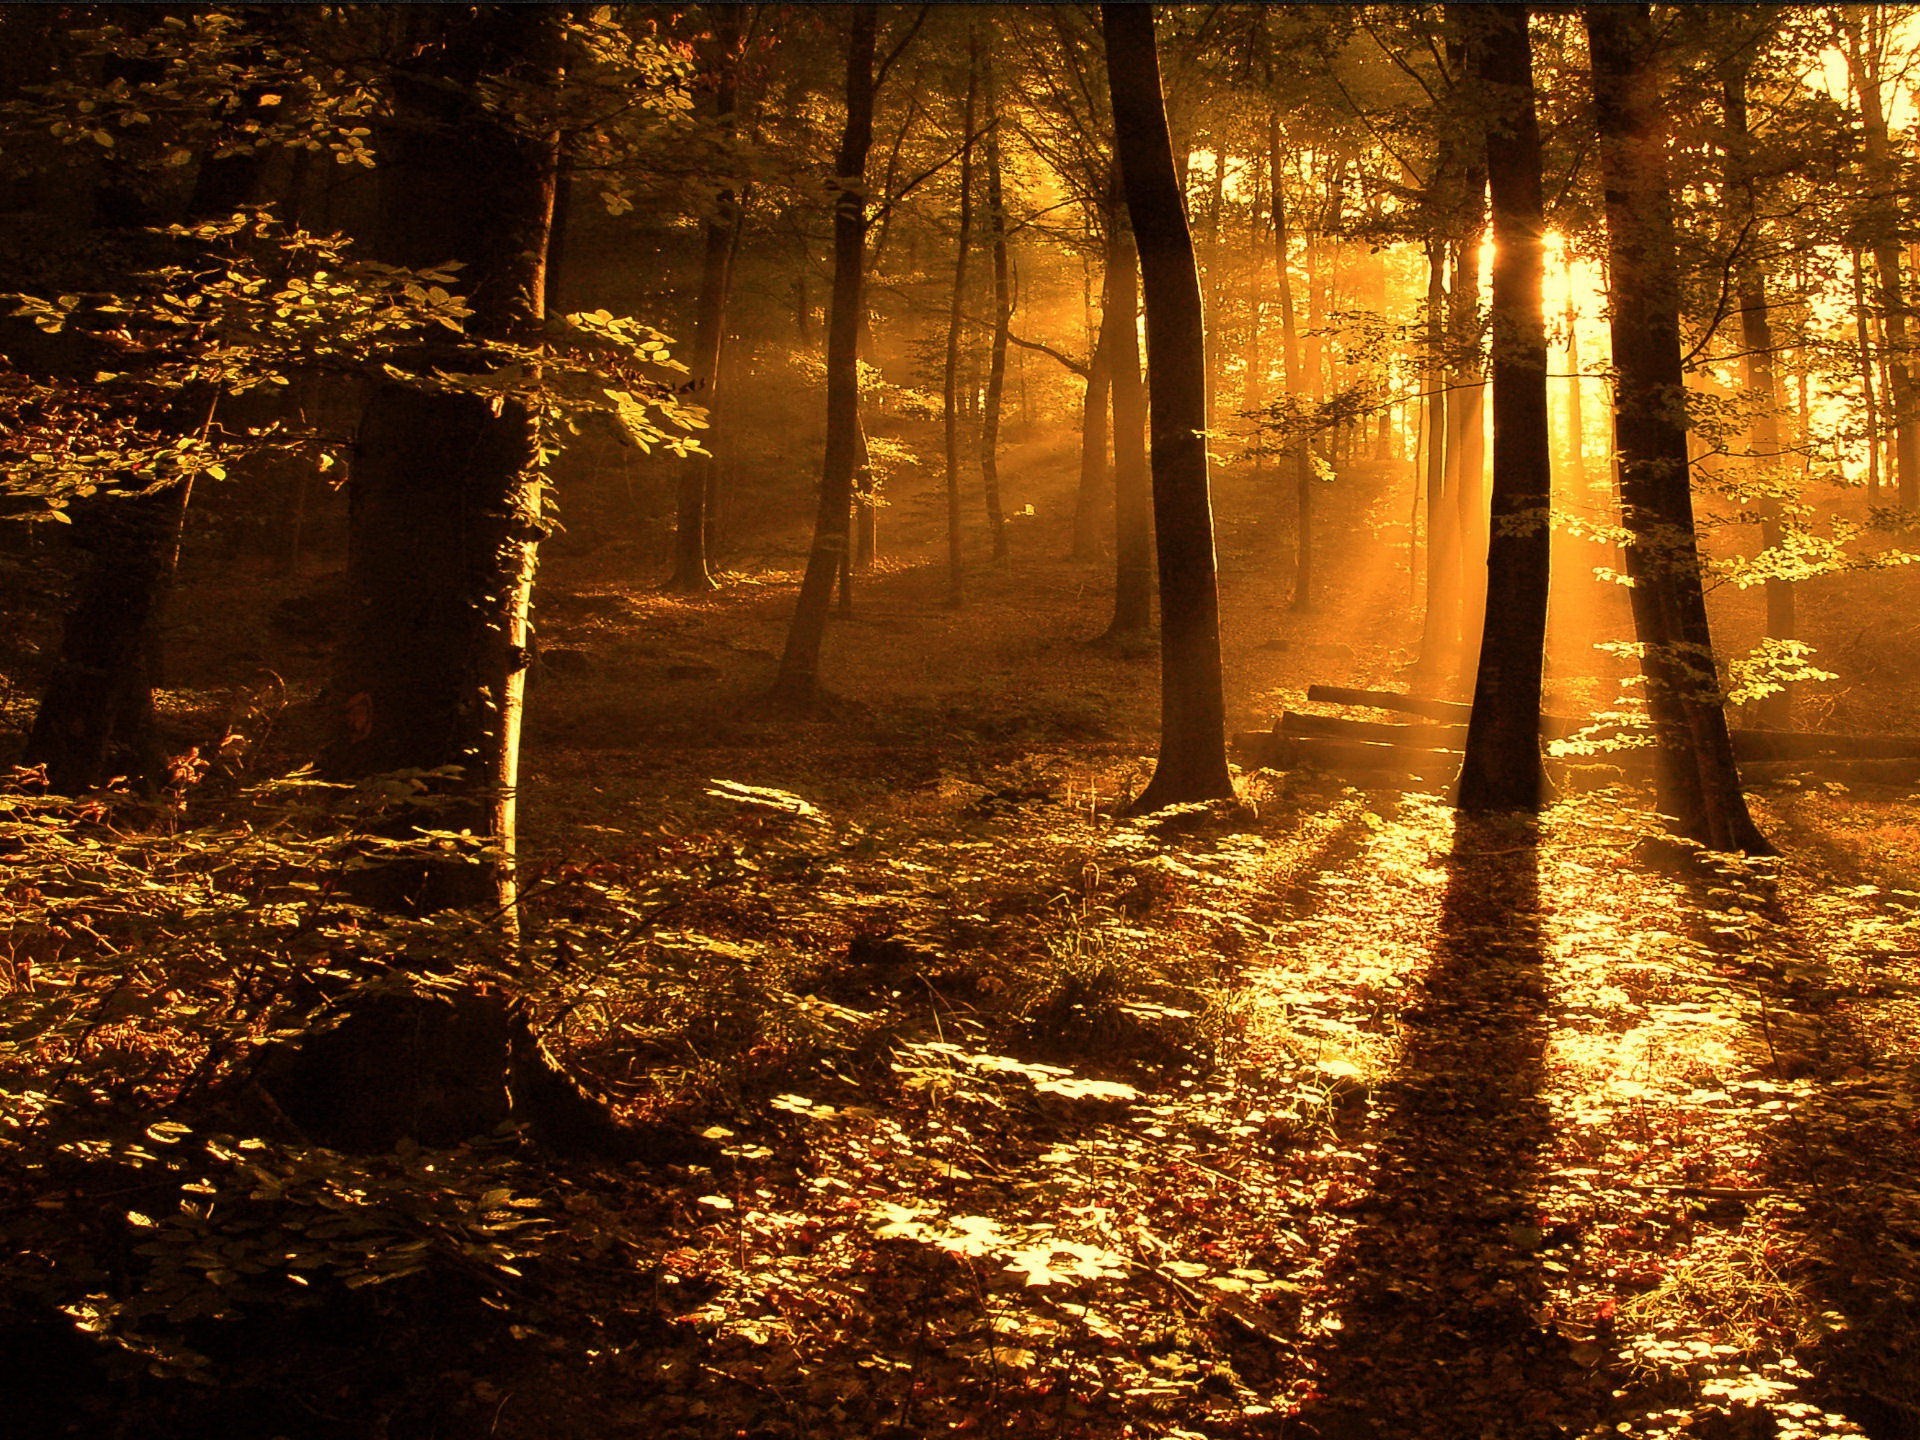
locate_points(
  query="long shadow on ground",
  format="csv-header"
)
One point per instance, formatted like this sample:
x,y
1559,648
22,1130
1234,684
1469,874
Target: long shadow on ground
x,y
1440,1283
1849,1154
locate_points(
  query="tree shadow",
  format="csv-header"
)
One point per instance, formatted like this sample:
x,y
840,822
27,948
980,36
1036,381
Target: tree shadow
x,y
1846,1152
1440,1285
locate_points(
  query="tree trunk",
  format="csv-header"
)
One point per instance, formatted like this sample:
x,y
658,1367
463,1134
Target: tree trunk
x,y
956,319
1300,455
445,515
1758,380
866,510
1576,418
1863,337
1091,496
798,681
1132,485
1864,61
445,498
1502,768
1439,630
1466,407
1002,319
1192,763
691,574
95,718
1699,782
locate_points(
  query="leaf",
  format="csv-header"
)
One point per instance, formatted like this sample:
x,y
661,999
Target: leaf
x,y
763,798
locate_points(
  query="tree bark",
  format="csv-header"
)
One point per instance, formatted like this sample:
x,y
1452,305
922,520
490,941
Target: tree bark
x,y
950,409
1758,378
445,497
1192,764
1132,484
1002,320
1863,337
1864,61
1096,405
1699,782
95,717
691,530
1502,769
797,682
1576,408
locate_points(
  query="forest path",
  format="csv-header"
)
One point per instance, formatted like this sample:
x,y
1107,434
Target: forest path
x,y
1502,1132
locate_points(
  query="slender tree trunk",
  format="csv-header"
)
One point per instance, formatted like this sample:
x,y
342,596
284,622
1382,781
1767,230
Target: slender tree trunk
x,y
798,680
1438,632
866,510
1002,319
1253,389
1698,780
1863,337
1192,764
950,410
1757,371
1091,497
1466,410
1864,61
690,533
1502,769
1132,485
1576,417
1294,364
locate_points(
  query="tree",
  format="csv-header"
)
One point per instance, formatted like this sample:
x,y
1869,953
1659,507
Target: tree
x,y
1502,769
95,717
1002,320
1132,482
798,680
692,523
956,319
1757,358
1698,781
1192,763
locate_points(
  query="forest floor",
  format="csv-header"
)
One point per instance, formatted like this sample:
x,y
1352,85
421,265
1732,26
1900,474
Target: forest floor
x,y
1319,1115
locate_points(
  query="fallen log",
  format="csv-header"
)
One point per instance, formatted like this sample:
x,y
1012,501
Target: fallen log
x,y
1393,732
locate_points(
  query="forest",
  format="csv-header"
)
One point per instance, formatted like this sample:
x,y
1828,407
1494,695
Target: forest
x,y
886,720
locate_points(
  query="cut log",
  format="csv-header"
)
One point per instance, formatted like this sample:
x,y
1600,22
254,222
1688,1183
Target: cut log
x,y
1452,710
1337,727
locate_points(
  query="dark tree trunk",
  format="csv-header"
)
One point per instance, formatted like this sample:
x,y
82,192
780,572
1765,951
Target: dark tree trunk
x,y
445,518
1192,763
691,528
1699,782
446,495
1758,379
1502,769
1002,320
1091,497
1132,484
956,322
95,718
798,680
